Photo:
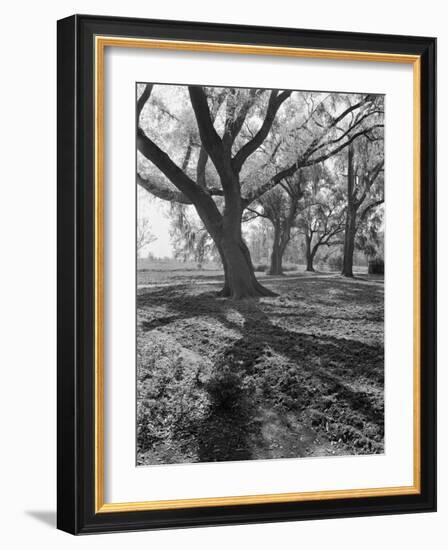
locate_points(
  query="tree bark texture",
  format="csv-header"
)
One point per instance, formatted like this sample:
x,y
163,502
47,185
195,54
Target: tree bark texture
x,y
310,253
350,222
276,267
349,243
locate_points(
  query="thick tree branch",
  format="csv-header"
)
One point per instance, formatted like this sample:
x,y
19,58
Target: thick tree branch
x,y
143,99
209,137
234,123
203,155
274,104
201,198
187,157
200,168
189,191
162,192
164,163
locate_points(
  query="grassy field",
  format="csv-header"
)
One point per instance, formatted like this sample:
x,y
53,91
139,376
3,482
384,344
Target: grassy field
x,y
297,375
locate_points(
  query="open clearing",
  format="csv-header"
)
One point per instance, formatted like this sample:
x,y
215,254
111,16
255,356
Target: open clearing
x,y
297,375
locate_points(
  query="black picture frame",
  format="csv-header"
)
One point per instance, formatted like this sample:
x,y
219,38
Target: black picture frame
x,y
76,257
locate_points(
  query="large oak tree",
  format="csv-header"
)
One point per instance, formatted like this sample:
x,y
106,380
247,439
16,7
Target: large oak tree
x,y
217,119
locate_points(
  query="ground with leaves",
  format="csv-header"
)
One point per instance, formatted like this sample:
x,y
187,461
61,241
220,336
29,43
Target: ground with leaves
x,y
297,375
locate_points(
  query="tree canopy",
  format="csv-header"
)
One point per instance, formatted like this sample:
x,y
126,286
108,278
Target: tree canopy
x,y
229,151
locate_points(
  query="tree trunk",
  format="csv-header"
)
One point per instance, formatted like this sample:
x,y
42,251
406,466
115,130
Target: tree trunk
x,y
309,254
276,254
309,264
350,222
240,281
349,243
239,275
225,291
275,267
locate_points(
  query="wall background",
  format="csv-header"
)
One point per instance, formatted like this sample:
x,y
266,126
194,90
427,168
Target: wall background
x,y
28,273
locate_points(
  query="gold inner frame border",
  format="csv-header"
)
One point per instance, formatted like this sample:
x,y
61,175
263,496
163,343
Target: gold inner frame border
x,y
100,44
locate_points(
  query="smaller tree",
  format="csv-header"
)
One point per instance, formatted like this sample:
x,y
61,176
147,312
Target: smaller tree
x,y
280,207
365,162
144,236
321,218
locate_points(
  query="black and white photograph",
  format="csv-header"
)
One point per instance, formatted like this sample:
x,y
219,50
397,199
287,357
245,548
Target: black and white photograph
x,y
260,274
220,307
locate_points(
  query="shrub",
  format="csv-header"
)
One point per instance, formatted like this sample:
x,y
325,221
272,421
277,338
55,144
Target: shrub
x,y
169,399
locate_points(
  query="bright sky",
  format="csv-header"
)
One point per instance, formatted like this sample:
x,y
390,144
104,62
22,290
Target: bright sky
x,y
156,212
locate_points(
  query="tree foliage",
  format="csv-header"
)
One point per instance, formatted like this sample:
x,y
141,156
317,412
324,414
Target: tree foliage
x,y
233,152
190,239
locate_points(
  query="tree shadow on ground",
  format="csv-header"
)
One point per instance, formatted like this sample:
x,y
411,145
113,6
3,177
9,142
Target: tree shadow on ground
x,y
230,427
320,378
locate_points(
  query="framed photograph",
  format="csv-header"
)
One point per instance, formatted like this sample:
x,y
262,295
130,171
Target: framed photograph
x,y
246,274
